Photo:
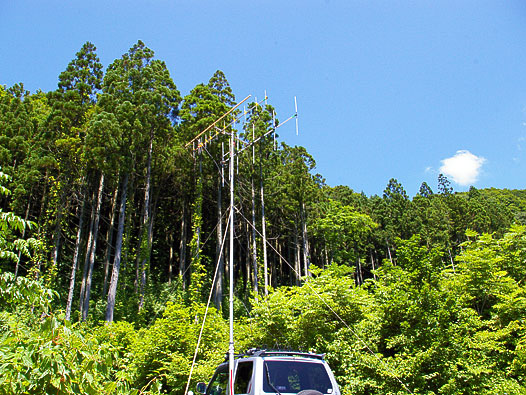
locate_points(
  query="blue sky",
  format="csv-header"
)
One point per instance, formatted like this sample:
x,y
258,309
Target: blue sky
x,y
391,88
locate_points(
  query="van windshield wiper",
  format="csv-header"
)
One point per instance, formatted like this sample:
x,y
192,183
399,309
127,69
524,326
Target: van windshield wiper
x,y
268,379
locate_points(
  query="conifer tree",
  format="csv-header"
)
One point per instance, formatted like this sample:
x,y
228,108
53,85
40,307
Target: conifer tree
x,y
140,93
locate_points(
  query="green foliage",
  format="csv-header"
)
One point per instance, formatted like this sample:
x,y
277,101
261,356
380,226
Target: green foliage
x,y
304,317
52,357
10,226
18,295
421,323
43,354
344,230
197,267
163,352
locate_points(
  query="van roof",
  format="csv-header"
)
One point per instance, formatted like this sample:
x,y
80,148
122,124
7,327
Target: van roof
x,y
255,352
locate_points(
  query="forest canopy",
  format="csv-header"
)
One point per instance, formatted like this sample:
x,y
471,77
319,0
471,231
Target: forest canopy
x,y
112,231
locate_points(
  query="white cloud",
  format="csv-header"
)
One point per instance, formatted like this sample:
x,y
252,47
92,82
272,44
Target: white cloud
x,y
463,168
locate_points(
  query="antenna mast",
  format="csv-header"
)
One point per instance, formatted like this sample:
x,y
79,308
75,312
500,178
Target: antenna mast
x,y
197,143
231,271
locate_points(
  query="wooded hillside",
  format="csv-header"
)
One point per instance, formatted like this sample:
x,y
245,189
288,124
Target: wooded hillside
x,y
109,215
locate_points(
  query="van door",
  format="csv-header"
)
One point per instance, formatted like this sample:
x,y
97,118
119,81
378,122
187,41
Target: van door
x,y
243,383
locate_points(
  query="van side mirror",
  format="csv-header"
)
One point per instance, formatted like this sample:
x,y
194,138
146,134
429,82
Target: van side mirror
x,y
201,388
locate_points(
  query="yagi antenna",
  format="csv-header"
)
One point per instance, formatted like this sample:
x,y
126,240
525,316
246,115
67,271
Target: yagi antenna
x,y
296,108
198,137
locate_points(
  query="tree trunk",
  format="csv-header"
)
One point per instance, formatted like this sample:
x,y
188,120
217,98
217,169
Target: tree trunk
x,y
42,220
93,250
56,237
451,258
182,248
254,245
218,286
195,244
138,256
58,241
43,203
87,257
149,235
170,242
326,253
372,264
248,259
306,253
74,265
117,260
129,220
279,249
297,258
263,227
389,252
109,241
144,250
359,278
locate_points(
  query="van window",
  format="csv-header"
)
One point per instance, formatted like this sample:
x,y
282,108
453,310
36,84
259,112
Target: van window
x,y
218,384
294,376
243,380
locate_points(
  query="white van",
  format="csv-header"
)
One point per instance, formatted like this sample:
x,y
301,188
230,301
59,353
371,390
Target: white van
x,y
259,372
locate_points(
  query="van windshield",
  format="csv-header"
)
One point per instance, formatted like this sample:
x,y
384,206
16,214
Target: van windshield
x,y
295,376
